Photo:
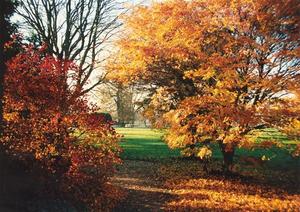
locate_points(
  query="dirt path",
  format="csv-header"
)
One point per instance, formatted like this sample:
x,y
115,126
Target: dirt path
x,y
145,191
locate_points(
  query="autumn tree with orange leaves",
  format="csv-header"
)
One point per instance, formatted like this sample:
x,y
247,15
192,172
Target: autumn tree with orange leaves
x,y
217,69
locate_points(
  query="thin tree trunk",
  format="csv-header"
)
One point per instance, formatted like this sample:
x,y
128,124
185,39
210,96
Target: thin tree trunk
x,y
228,155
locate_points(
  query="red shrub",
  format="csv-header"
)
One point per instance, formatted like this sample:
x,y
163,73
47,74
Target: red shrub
x,y
46,125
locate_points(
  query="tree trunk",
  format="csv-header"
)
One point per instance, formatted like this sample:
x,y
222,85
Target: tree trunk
x,y
228,154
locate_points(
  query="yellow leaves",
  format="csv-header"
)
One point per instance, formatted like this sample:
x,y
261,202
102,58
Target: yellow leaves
x,y
204,153
293,129
265,158
220,84
212,193
173,116
175,140
52,150
204,74
11,116
229,138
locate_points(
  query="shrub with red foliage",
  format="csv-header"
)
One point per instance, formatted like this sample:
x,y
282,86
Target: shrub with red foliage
x,y
46,124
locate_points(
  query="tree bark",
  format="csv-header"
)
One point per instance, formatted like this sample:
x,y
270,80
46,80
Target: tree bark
x,y
228,154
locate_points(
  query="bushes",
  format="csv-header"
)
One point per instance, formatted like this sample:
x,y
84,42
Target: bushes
x,y
42,106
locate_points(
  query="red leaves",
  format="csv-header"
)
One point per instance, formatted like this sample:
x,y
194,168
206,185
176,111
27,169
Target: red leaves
x,y
47,121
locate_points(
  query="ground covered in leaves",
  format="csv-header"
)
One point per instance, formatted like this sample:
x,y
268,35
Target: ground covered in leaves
x,y
181,185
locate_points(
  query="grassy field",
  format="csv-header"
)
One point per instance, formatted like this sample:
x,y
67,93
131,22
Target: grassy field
x,y
146,144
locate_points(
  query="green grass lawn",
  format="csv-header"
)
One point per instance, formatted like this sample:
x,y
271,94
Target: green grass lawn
x,y
146,144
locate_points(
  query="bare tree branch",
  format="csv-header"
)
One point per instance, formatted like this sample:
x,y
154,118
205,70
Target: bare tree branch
x,y
75,30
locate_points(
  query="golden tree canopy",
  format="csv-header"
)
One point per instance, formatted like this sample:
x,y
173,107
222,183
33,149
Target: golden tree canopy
x,y
216,68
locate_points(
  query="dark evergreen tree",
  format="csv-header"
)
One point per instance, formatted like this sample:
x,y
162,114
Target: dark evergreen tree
x,y
6,29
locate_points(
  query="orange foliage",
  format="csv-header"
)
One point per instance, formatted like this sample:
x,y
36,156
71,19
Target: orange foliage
x,y
215,66
232,195
266,190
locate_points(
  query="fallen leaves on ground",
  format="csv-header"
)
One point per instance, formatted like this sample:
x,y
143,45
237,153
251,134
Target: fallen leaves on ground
x,y
242,193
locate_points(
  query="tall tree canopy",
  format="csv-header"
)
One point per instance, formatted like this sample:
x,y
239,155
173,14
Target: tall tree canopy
x,y
218,69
